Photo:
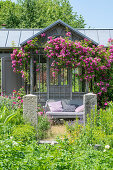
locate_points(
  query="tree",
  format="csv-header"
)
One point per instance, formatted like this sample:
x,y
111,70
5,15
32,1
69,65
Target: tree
x,y
38,13
9,14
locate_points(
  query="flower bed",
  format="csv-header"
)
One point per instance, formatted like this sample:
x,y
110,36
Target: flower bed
x,y
75,150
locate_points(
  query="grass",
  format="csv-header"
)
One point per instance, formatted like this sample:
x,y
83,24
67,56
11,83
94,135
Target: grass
x,y
56,131
59,129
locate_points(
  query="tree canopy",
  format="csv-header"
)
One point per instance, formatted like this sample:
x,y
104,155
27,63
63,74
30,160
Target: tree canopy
x,y
38,13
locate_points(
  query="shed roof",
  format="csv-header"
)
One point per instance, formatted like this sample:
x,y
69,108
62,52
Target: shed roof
x,y
101,36
14,37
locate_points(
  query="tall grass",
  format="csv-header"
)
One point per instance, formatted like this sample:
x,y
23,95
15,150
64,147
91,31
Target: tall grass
x,y
98,129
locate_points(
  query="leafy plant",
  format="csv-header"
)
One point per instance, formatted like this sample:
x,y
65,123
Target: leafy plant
x,y
98,129
19,148
23,133
43,126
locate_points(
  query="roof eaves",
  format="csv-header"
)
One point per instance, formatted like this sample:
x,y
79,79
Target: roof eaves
x,y
94,28
8,47
21,29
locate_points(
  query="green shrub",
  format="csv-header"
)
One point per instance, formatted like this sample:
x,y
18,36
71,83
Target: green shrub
x,y
23,133
43,126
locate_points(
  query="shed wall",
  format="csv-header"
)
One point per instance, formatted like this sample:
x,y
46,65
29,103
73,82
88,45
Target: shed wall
x,y
9,79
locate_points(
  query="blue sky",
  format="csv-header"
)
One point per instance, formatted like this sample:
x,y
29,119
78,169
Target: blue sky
x,y
96,13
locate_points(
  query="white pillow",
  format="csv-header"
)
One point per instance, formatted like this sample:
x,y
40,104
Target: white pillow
x,y
55,106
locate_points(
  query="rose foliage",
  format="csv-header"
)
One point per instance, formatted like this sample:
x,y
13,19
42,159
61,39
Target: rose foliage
x,y
96,61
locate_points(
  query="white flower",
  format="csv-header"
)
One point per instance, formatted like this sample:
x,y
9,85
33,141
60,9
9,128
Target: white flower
x,y
104,150
15,143
52,143
107,147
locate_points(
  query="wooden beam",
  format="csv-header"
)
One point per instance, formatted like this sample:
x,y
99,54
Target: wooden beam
x,y
31,75
48,75
87,86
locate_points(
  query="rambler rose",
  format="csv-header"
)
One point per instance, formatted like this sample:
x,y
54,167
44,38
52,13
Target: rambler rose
x,y
95,61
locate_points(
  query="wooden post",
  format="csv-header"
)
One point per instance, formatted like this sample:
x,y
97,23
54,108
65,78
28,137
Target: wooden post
x,y
70,79
87,86
48,80
31,75
39,76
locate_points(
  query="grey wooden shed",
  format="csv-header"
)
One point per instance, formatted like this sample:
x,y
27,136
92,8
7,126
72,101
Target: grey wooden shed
x,y
42,82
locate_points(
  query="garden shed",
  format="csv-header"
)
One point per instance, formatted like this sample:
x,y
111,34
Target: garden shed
x,y
65,85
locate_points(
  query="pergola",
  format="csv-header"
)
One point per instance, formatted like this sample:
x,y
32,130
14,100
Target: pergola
x,y
65,85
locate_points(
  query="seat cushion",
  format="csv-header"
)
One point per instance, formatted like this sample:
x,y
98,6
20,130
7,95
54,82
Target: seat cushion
x,y
65,115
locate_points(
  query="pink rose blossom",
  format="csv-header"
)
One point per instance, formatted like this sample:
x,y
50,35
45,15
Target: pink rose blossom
x,y
43,35
68,34
14,102
18,97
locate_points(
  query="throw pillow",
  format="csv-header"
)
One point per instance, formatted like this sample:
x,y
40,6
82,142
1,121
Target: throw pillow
x,y
80,108
69,108
55,106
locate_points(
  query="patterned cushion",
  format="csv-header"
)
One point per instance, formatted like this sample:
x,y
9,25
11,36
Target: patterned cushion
x,y
69,108
80,109
55,106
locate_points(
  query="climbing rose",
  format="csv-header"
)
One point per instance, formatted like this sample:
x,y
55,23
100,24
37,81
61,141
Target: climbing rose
x,y
43,35
68,34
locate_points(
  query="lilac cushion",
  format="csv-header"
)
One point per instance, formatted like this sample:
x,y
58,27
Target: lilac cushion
x,y
55,106
80,109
